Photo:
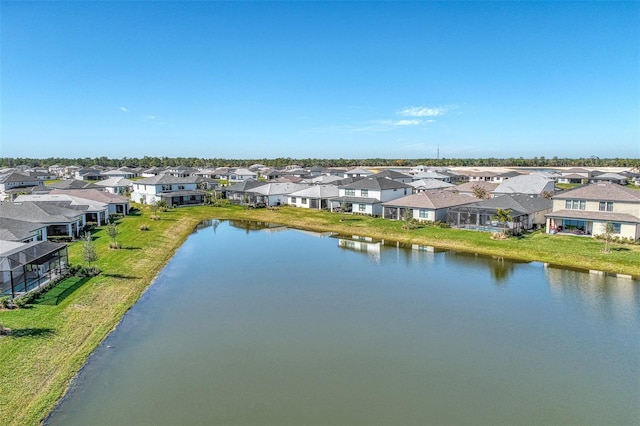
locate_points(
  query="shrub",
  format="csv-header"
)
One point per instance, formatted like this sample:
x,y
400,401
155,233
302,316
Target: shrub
x,y
5,302
144,227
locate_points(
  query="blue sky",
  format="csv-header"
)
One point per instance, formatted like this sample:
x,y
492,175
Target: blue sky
x,y
320,79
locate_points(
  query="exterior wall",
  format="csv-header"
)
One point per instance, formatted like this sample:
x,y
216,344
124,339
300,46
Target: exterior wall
x,y
298,202
368,209
627,230
391,194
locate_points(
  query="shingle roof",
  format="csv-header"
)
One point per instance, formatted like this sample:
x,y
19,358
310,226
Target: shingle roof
x,y
165,179
603,191
44,213
72,184
375,184
525,184
93,194
16,229
519,203
432,200
317,191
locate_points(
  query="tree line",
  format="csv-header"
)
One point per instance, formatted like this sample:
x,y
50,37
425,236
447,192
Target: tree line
x,y
280,162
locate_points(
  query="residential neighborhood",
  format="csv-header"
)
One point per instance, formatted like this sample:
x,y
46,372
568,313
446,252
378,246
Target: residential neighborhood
x,y
37,218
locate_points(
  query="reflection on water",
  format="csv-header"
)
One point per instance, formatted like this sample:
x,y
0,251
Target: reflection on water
x,y
602,295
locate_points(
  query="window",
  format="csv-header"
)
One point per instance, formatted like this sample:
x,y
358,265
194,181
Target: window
x,y
293,199
362,207
606,206
166,187
575,204
424,213
364,192
350,192
180,187
616,227
304,201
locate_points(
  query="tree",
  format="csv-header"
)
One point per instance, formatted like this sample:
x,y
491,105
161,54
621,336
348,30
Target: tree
x,y
113,232
503,216
89,253
609,230
480,192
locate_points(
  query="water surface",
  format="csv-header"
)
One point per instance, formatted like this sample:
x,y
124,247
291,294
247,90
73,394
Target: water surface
x,y
274,326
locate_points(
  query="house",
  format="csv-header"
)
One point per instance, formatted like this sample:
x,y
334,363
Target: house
x,y
274,193
525,184
180,171
427,205
122,172
93,211
175,191
632,177
609,177
366,195
586,210
238,193
116,204
151,172
240,175
313,197
59,219
26,266
116,185
528,212
89,174
431,175
357,172
575,175
13,180
490,176
393,175
429,184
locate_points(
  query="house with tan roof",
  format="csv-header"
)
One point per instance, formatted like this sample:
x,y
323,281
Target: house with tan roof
x,y
586,210
426,205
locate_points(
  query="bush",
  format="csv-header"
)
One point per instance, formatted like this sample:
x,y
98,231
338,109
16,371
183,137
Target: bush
x,y
144,227
5,302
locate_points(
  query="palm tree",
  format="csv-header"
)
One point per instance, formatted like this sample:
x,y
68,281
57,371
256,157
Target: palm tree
x,y
503,216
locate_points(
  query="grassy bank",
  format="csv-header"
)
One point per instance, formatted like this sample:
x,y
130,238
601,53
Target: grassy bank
x,y
51,342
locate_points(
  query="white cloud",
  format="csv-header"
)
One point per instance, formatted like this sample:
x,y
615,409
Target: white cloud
x,y
419,111
150,117
124,109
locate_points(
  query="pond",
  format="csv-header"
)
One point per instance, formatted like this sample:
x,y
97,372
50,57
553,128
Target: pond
x,y
259,324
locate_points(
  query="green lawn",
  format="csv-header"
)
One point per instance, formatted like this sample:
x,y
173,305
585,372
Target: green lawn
x,y
52,339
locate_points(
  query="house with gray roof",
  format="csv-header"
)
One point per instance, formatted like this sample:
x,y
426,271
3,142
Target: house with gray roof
x,y
366,195
175,191
425,206
586,210
609,177
393,175
61,219
525,184
528,212
357,172
93,211
313,197
430,184
13,180
116,185
116,204
274,193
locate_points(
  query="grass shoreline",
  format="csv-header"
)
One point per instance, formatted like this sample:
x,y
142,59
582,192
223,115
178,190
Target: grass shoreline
x,y
51,343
